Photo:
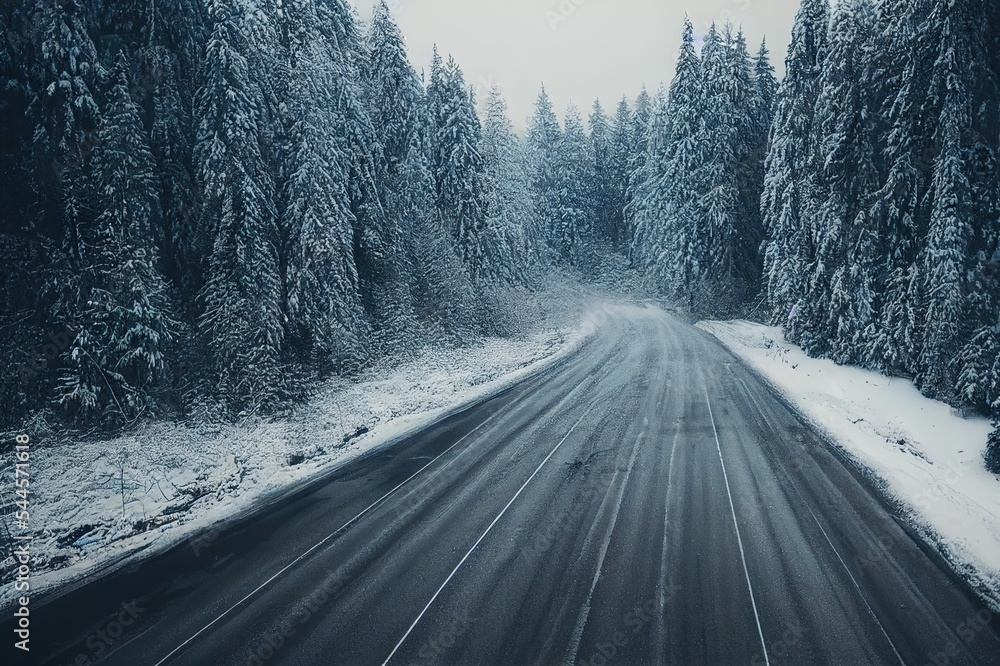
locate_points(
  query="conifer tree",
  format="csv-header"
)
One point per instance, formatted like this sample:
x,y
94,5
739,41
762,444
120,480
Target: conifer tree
x,y
394,88
840,301
791,166
544,140
242,313
394,94
507,192
326,321
139,326
669,227
459,170
443,295
945,260
902,200
992,456
621,174
729,267
602,189
641,119
572,234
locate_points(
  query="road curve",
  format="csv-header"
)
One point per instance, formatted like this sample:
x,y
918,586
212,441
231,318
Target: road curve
x,y
646,501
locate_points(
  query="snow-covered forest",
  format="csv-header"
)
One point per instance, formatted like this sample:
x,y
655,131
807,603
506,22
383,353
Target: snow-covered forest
x,y
211,205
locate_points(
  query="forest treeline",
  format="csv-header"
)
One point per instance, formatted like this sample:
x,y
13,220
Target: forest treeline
x,y
876,239
209,205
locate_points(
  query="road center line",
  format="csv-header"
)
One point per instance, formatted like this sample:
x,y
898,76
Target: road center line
x,y
321,543
483,536
581,622
661,626
444,468
739,539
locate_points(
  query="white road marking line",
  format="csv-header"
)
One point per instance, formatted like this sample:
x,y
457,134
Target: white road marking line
x,y
661,626
321,543
739,539
581,623
483,536
444,468
854,580
836,552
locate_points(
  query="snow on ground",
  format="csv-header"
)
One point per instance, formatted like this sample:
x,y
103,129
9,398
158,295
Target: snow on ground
x,y
99,505
930,458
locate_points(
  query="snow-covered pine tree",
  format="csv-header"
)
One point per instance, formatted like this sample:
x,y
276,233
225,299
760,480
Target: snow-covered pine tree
x,y
750,115
992,456
765,92
261,28
642,117
790,162
325,319
905,58
979,379
63,112
185,245
621,175
119,360
508,194
760,119
544,140
443,295
947,258
979,360
394,96
65,116
378,245
731,235
840,303
602,186
669,236
242,299
649,193
326,322
572,235
63,108
17,59
394,88
459,172
22,383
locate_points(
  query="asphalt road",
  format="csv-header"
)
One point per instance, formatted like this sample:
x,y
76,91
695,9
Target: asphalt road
x,y
646,501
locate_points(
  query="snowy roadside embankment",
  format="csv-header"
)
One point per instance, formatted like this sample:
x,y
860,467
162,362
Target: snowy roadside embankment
x,y
930,458
99,504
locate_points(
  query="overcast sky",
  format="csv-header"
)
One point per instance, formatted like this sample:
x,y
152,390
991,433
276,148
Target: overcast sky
x,y
580,49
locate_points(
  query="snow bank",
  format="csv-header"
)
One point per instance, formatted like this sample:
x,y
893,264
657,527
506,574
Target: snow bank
x,y
930,458
100,505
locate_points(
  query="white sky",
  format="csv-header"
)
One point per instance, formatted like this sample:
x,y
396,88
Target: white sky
x,y
580,49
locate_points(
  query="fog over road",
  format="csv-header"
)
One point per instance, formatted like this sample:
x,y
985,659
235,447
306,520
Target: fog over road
x,y
647,500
